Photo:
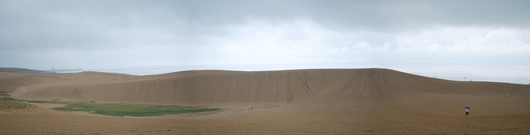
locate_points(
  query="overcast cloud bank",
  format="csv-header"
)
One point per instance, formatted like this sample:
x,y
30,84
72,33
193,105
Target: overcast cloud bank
x,y
126,34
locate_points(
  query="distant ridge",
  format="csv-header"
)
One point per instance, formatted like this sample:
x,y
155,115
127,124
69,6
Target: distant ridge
x,y
14,69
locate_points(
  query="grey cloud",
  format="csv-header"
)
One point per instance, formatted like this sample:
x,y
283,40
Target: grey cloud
x,y
85,23
378,15
27,26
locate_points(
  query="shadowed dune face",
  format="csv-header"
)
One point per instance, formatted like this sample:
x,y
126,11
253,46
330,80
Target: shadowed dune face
x,y
369,93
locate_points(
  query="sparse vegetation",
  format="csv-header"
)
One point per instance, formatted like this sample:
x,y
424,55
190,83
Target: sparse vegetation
x,y
3,93
10,103
137,110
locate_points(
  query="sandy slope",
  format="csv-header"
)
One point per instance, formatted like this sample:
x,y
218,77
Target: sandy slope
x,y
347,101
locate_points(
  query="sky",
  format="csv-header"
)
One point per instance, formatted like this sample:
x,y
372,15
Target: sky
x,y
41,34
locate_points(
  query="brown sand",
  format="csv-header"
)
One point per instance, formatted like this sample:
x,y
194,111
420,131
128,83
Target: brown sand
x,y
353,101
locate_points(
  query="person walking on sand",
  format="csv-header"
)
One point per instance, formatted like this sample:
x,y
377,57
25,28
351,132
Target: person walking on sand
x,y
467,111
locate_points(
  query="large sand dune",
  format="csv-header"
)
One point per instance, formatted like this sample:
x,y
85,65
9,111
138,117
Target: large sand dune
x,y
305,92
351,95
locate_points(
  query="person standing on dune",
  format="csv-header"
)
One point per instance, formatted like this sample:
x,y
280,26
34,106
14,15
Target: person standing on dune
x,y
467,111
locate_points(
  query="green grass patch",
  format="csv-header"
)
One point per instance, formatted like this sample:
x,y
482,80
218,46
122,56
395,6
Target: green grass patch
x,y
136,110
121,109
3,92
10,103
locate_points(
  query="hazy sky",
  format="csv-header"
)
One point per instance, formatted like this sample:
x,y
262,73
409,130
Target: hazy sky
x,y
123,34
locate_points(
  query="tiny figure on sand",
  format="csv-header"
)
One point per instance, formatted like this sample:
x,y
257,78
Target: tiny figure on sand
x,y
467,111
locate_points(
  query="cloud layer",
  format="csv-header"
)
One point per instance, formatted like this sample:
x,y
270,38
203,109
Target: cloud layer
x,y
119,34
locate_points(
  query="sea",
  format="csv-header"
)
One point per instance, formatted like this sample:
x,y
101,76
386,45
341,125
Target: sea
x,y
508,73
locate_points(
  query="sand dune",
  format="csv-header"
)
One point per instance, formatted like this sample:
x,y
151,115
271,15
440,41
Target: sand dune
x,y
357,98
348,92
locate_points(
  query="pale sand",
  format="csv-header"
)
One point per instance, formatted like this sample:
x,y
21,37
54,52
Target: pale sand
x,y
352,101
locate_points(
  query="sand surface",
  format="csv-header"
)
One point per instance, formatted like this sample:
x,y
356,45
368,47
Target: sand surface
x,y
331,101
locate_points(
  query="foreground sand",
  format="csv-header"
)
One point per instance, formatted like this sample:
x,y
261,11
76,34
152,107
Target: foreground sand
x,y
41,123
353,101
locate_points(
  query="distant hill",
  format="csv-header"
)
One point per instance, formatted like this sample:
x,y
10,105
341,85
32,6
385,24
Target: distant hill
x,y
14,69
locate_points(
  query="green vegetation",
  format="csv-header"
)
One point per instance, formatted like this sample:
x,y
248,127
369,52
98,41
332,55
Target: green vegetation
x,y
10,103
3,93
137,110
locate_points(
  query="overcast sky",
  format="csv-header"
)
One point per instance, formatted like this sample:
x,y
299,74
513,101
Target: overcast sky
x,y
126,34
